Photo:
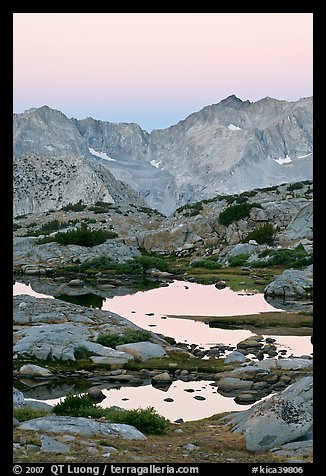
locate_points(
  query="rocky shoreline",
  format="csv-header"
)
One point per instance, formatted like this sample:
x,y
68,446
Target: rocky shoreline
x,y
47,333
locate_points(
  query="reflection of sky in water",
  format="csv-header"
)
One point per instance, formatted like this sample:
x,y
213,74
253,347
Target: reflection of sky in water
x,y
185,298
20,288
184,405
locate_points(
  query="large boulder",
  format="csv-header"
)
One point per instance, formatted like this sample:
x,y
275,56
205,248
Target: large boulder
x,y
229,384
279,419
31,370
82,426
286,364
168,238
26,250
235,357
292,283
60,341
142,351
243,249
302,224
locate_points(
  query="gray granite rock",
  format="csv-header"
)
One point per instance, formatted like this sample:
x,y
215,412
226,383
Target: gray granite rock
x,y
82,426
142,351
279,419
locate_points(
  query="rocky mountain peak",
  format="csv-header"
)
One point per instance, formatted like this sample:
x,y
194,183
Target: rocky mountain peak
x,y
232,101
227,148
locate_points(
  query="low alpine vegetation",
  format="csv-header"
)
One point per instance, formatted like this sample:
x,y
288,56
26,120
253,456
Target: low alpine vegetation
x,y
128,337
145,420
83,236
262,234
236,212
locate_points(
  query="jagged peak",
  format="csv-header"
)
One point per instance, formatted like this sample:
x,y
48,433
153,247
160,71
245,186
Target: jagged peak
x,y
231,100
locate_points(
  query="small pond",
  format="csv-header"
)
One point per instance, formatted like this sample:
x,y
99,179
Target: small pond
x,y
151,310
186,400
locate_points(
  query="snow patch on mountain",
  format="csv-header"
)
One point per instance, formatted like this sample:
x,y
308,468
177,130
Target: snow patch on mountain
x,y
232,127
282,161
101,155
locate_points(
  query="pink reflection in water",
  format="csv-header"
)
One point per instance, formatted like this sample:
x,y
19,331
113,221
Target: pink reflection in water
x,y
20,288
192,299
198,299
184,406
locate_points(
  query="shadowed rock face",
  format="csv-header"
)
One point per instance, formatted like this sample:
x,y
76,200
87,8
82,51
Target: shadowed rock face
x,y
224,148
279,419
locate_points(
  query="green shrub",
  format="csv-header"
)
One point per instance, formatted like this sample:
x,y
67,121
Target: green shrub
x,y
262,234
296,258
229,198
16,226
72,405
190,209
51,226
129,336
236,212
206,263
102,207
28,413
239,260
82,353
138,265
82,237
76,207
148,262
149,211
146,420
295,186
100,263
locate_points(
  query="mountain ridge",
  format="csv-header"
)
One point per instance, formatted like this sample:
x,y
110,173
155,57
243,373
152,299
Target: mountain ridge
x,y
228,147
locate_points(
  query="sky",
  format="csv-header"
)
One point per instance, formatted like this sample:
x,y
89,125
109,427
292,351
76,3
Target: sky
x,y
157,68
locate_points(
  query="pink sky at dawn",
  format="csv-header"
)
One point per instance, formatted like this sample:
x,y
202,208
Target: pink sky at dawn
x,y
157,68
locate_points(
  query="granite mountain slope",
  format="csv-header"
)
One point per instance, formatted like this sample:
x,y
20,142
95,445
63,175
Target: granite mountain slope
x,y
225,148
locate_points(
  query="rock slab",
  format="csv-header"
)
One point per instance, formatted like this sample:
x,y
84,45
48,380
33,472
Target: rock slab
x,y
279,419
82,426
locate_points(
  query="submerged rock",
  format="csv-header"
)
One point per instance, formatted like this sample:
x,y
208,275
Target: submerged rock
x,y
95,393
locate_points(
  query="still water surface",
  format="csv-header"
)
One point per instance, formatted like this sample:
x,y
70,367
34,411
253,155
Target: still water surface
x,y
150,310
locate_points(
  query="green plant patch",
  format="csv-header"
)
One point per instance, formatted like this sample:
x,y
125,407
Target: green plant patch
x,y
206,263
82,237
145,420
262,234
128,337
76,207
28,413
296,258
239,260
295,186
236,212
